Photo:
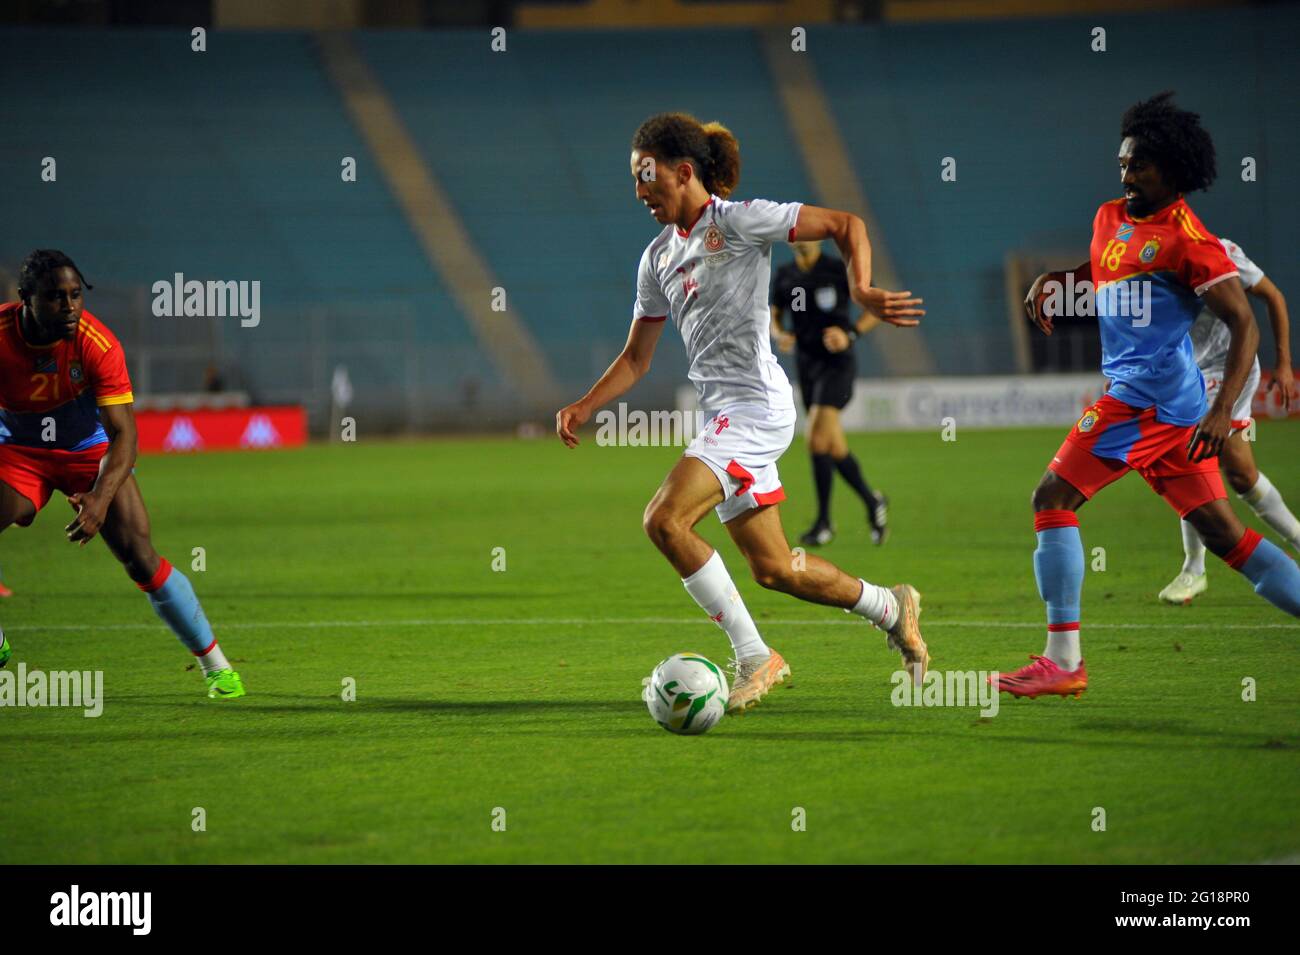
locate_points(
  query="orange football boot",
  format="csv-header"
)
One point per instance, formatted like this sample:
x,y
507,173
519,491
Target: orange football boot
x,y
752,680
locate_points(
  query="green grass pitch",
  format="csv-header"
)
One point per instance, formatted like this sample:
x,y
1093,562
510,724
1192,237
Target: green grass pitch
x,y
519,689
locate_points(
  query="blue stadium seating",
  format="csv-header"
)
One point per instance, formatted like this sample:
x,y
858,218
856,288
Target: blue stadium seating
x,y
225,164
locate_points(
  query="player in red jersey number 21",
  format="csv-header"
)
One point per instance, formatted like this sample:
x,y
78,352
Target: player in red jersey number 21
x,y
66,424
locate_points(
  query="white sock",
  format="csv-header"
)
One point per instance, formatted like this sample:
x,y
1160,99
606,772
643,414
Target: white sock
x,y
1265,501
213,660
1063,649
713,590
877,604
1193,550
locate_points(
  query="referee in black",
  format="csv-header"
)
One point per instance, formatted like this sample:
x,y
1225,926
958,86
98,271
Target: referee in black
x,y
814,289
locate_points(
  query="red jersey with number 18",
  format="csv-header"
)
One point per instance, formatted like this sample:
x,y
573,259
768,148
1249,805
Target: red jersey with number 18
x,y
62,384
1150,274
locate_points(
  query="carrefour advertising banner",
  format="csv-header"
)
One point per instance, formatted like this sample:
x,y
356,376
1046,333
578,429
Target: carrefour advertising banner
x,y
917,404
977,402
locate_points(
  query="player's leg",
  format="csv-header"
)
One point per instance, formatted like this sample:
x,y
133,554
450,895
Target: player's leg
x,y
1196,492
1081,467
1058,566
1254,487
14,509
835,394
1275,575
1238,466
811,380
831,431
5,521
686,495
126,532
761,539
821,446
1237,463
1192,579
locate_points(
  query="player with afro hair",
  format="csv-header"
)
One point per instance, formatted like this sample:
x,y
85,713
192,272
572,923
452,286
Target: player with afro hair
x,y
1173,139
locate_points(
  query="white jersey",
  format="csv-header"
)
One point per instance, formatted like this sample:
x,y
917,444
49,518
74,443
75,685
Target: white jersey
x,y
713,281
1210,336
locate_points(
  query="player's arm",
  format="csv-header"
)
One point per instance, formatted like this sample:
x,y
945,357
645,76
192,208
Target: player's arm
x,y
849,233
866,322
1275,303
1227,301
626,370
1035,297
92,507
784,339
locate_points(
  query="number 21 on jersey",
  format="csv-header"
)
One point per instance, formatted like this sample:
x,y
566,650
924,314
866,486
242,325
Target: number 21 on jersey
x,y
42,381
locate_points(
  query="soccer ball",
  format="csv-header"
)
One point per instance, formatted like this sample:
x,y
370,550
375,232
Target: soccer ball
x,y
686,694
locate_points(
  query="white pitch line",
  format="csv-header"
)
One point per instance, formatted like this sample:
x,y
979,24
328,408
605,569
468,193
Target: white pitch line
x,y
621,621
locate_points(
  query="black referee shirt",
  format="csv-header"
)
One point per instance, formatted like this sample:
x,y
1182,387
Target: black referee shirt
x,y
825,301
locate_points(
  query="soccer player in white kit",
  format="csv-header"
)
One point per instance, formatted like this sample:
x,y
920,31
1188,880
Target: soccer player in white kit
x,y
709,270
1210,338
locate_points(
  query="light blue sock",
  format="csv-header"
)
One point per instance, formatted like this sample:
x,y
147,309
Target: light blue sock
x,y
1058,567
1275,576
173,599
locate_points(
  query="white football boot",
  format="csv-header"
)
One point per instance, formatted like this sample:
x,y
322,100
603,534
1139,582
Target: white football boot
x,y
1184,587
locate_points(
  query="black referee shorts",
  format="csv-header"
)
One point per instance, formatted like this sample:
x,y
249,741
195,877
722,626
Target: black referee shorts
x,y
827,380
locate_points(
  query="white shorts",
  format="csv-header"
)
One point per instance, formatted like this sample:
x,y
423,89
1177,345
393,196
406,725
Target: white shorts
x,y
741,447
1241,411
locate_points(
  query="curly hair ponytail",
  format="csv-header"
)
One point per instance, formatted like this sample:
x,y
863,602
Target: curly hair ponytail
x,y
710,148
724,160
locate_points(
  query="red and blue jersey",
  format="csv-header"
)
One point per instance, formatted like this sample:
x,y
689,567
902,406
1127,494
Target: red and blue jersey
x,y
1146,351
62,384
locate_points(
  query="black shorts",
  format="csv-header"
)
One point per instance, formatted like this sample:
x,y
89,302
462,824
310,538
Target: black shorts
x,y
827,381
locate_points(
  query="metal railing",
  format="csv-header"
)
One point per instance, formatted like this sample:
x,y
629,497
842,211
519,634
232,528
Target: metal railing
x,y
405,375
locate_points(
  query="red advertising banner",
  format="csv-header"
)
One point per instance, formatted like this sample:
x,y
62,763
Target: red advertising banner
x,y
229,429
1266,404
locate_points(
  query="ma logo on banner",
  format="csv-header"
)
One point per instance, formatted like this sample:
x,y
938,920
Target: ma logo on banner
x,y
183,436
260,433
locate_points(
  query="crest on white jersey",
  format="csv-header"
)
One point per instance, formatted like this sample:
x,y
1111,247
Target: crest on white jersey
x,y
713,239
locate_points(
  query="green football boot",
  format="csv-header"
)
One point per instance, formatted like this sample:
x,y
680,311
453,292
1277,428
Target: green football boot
x,y
6,651
224,685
